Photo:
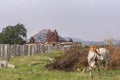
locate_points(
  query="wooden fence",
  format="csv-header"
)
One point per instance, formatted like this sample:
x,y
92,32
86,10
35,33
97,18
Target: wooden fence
x,y
7,51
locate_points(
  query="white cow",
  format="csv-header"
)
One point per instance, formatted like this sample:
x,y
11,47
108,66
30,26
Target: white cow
x,y
95,57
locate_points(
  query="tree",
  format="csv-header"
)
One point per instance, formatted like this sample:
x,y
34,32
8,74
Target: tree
x,y
32,40
13,34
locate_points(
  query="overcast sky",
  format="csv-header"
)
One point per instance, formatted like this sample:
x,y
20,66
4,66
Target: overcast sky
x,y
86,19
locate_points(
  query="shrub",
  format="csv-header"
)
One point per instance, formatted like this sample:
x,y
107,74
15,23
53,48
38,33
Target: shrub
x,y
73,58
114,62
76,57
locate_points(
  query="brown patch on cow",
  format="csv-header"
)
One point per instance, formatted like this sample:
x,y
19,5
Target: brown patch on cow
x,y
92,48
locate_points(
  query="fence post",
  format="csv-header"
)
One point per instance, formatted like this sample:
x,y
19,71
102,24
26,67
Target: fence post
x,y
22,50
36,49
29,50
49,50
25,50
39,48
18,50
42,48
7,52
2,51
33,49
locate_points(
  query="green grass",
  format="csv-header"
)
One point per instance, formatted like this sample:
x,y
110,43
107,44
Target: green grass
x,y
33,68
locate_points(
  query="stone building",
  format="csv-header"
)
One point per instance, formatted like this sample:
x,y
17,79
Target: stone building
x,y
52,36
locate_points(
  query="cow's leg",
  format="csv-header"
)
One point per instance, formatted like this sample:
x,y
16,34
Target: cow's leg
x,y
98,68
106,65
91,70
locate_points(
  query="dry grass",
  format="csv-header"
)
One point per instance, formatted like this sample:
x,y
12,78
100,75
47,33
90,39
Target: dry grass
x,y
76,57
73,58
114,62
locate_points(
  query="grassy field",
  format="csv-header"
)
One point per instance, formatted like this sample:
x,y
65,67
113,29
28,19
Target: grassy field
x,y
33,68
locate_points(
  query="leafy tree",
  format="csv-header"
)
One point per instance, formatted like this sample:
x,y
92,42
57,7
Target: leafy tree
x,y
13,34
32,40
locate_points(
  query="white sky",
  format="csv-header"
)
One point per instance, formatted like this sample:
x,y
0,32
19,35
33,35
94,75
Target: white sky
x,y
85,19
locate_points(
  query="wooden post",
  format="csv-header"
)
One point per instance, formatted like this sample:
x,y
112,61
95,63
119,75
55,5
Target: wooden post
x,y
25,50
12,50
7,50
22,50
15,50
48,48
36,49
29,50
2,51
33,49
41,48
18,50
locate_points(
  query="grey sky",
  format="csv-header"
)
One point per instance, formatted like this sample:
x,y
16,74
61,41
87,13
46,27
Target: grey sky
x,y
85,19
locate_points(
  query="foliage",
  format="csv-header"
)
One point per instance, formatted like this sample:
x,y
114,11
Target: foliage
x,y
13,34
32,40
73,58
114,62
76,57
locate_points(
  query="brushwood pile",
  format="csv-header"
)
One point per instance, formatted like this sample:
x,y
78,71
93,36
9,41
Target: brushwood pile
x,y
76,57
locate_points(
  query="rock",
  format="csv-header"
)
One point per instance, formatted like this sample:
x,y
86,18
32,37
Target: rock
x,y
10,66
3,64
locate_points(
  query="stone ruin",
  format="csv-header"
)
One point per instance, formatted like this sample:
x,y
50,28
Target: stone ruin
x,y
52,36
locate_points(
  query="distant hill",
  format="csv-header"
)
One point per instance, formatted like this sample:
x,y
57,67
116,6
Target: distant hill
x,y
74,39
41,37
